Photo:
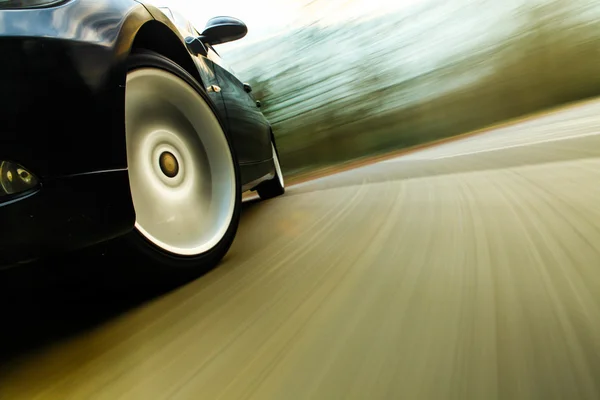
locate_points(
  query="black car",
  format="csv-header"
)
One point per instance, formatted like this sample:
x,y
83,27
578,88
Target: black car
x,y
122,127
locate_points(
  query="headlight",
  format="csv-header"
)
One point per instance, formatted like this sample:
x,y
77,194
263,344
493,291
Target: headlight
x,y
15,179
14,4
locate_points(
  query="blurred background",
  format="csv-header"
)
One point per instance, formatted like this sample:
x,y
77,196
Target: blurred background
x,y
345,79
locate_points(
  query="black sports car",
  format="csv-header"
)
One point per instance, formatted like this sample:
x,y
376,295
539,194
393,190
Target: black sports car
x,y
121,124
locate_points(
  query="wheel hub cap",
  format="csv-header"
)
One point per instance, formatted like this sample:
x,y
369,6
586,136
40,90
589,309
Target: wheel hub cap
x,y
168,164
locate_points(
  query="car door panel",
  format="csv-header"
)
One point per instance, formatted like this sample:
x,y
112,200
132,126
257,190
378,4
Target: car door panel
x,y
206,69
249,129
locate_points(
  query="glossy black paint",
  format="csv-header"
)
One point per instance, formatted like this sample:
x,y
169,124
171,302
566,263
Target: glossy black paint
x,y
248,127
62,116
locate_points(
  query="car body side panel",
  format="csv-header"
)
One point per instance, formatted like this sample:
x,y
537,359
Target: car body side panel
x,y
250,130
209,78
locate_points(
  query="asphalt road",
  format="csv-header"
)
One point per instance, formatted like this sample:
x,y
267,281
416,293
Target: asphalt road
x,y
466,271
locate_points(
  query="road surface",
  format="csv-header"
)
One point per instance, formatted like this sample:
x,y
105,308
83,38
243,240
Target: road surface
x,y
470,270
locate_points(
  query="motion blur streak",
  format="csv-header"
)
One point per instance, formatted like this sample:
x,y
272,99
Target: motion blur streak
x,y
360,77
468,276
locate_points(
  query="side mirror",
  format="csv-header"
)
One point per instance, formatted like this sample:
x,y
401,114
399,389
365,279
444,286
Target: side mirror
x,y
223,29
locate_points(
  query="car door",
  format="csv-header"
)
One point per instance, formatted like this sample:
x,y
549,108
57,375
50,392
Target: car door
x,y
250,130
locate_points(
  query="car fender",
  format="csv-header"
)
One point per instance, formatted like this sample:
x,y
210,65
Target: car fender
x,y
62,109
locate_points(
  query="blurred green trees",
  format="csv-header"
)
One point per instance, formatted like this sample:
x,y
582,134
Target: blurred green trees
x,y
338,93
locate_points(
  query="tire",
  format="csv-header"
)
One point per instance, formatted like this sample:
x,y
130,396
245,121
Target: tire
x,y
273,187
184,178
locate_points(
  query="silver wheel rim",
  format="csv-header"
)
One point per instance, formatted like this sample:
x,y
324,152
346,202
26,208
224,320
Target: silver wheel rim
x,y
180,165
277,166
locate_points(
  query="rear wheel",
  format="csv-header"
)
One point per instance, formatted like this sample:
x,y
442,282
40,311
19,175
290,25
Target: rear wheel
x,y
183,175
275,186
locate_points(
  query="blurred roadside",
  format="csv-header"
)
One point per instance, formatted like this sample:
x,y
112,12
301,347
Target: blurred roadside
x,y
316,173
347,91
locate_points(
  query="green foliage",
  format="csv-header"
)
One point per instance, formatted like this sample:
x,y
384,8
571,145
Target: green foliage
x,y
551,59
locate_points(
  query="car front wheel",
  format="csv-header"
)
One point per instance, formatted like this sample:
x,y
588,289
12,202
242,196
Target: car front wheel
x,y
183,175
